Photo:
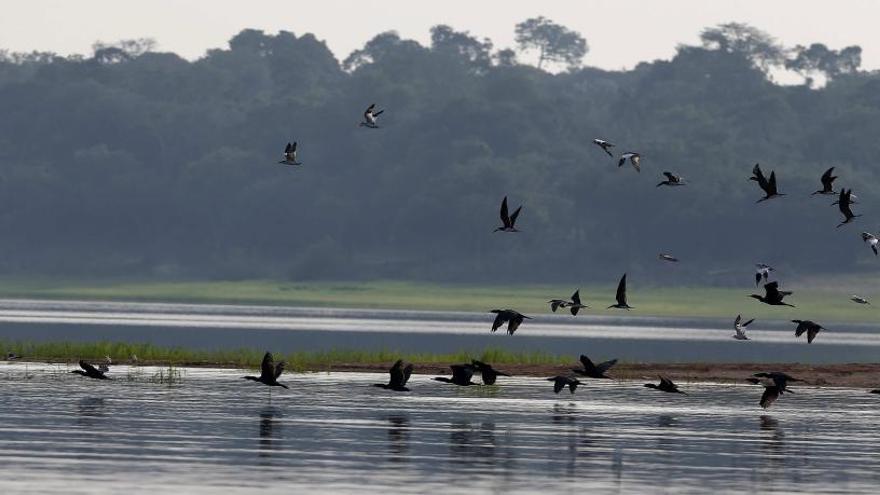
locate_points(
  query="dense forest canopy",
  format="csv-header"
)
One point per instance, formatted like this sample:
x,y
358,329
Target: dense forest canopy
x,y
135,163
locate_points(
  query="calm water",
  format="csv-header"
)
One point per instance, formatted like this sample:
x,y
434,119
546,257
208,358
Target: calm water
x,y
333,433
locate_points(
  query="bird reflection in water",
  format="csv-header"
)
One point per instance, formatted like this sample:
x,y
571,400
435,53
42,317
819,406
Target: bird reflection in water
x,y
398,438
666,421
472,445
270,431
90,410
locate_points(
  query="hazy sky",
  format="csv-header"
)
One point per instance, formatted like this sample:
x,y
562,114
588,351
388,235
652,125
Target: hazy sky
x,y
620,33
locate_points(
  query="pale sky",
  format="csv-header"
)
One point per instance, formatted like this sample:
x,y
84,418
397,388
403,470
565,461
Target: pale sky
x,y
620,33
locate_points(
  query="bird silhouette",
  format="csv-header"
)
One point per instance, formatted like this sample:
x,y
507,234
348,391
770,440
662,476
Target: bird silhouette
x,y
488,374
399,376
290,155
621,296
560,382
574,304
634,159
513,319
605,145
808,326
508,221
762,271
461,375
89,371
772,295
827,183
668,257
859,299
665,385
775,384
269,372
872,240
768,186
741,328
672,180
594,370
844,205
370,116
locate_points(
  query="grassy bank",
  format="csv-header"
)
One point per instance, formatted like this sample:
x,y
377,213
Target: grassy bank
x,y
830,303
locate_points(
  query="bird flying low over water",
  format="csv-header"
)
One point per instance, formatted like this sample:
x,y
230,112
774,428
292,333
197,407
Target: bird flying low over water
x,y
768,186
269,372
605,145
399,376
672,180
668,257
808,326
762,271
89,371
11,356
508,221
740,328
633,158
875,391
560,382
827,183
574,304
461,375
487,372
772,295
594,370
859,299
872,240
513,319
665,385
370,116
621,295
290,155
775,384
843,203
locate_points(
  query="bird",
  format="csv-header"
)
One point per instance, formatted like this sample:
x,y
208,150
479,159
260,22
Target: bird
x,y
508,221
399,376
487,372
557,303
621,296
105,366
875,391
11,356
370,116
672,180
872,240
741,328
772,295
665,385
827,183
560,382
90,371
843,204
633,159
808,326
668,257
594,370
605,145
290,155
775,384
575,304
859,299
762,271
513,319
269,372
768,186
461,375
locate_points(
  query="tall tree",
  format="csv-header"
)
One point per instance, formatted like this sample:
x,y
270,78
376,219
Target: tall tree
x,y
759,47
818,58
554,42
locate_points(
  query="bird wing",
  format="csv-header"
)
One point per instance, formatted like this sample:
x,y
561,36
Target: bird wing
x,y
513,217
287,148
293,148
505,218
559,384
500,318
738,319
588,364
670,176
621,291
376,114
88,368
622,160
769,397
576,297
603,367
514,323
812,332
554,305
801,328
462,372
267,367
396,372
407,372
827,179
772,183
634,159
748,322
279,368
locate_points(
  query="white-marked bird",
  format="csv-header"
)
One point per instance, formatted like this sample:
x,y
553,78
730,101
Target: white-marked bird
x,y
740,328
859,299
762,270
605,145
633,158
872,240
672,180
668,257
290,155
370,116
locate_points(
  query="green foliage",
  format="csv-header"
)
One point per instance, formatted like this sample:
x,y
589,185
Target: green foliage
x,y
555,43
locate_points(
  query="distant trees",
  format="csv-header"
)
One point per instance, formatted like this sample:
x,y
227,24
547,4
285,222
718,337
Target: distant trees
x,y
462,45
554,43
819,59
759,47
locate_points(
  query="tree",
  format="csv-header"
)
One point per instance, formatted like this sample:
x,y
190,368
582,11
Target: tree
x,y
460,44
818,58
122,50
759,47
555,43
505,57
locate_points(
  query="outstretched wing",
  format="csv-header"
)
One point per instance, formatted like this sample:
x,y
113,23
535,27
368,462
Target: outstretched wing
x,y
812,332
748,322
514,323
634,159
505,218
462,373
621,291
603,367
576,297
396,373
772,183
513,217
279,368
88,368
827,179
407,372
769,397
267,367
558,384
670,176
588,364
376,114
500,318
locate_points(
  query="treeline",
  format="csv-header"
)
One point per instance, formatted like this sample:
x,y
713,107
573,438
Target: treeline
x,y
134,163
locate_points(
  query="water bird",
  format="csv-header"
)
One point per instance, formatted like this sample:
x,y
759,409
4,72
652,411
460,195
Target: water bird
x,y
594,370
487,372
560,382
665,385
668,257
872,240
508,221
859,299
461,375
605,145
89,371
875,391
269,372
11,356
772,295
672,180
370,116
399,376
762,270
827,183
574,304
621,295
768,186
843,204
290,155
633,158
513,319
808,326
775,384
741,328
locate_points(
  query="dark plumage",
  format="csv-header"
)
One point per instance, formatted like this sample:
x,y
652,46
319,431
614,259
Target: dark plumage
x,y
768,186
574,304
399,376
808,326
844,203
461,375
487,372
513,319
370,116
290,155
634,160
269,372
621,295
672,180
775,384
560,382
90,371
594,370
508,221
762,270
665,385
827,183
772,295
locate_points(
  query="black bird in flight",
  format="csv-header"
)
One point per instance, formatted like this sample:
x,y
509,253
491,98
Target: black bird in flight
x,y
370,116
808,326
772,295
621,296
633,158
875,391
399,376
560,382
843,203
513,319
740,328
872,240
605,145
775,384
487,372
290,155
665,385
90,371
461,375
672,180
508,221
768,186
594,370
269,372
668,257
827,183
574,304
762,271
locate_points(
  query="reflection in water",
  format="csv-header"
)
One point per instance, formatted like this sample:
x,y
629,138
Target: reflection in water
x,y
467,444
90,410
666,421
563,415
774,441
270,432
398,438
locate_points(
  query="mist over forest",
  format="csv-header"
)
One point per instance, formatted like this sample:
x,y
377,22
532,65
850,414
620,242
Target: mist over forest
x,y
131,162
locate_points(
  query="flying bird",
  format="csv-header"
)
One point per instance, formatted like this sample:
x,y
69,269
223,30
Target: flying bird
x,y
672,180
574,304
560,382
370,116
11,356
859,299
594,370
269,372
827,183
508,221
872,240
772,295
762,271
875,391
487,372
808,326
461,375
633,158
513,319
668,257
768,186
775,384
605,145
740,328
665,385
621,295
843,203
89,371
290,155
399,376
